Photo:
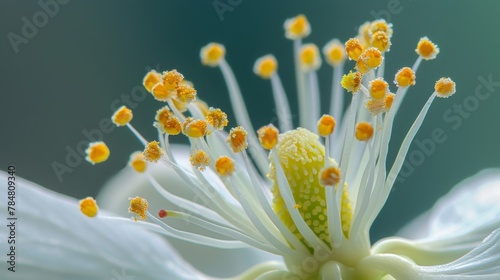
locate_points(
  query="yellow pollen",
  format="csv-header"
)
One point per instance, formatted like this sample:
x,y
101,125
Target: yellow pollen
x,y
163,115
268,136
334,52
381,25
265,66
445,87
199,159
237,139
361,67
224,166
372,57
377,106
212,54
364,131
329,176
309,57
151,79
172,79
404,77
137,162
122,116
389,98
161,93
427,49
97,152
88,206
353,48
297,27
186,93
172,126
301,156
326,125
216,118
194,128
153,152
352,81
378,88
138,206
296,206
381,41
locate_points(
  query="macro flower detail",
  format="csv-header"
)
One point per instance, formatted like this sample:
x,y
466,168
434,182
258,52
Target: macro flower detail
x,y
307,193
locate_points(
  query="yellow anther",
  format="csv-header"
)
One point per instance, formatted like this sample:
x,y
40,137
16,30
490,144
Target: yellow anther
x,y
151,79
163,114
329,176
161,93
265,66
237,139
296,206
268,136
376,106
172,126
361,66
404,77
427,49
212,54
352,81
88,206
445,87
153,152
216,118
297,27
199,159
381,25
381,41
172,79
334,52
137,162
180,105
364,34
138,206
194,128
389,98
186,93
97,152
372,57
353,48
309,57
224,166
364,131
122,116
378,88
326,125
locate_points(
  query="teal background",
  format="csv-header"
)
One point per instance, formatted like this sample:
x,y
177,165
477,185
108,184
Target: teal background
x,y
66,77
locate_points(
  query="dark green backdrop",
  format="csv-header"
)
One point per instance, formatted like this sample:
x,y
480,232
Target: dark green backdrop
x,y
89,53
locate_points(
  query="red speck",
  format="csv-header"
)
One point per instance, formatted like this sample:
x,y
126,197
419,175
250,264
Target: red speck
x,y
162,213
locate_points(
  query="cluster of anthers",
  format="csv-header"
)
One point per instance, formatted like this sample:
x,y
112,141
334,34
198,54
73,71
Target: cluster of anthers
x,y
298,210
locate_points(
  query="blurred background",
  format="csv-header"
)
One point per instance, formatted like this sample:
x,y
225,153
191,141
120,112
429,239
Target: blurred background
x,y
61,76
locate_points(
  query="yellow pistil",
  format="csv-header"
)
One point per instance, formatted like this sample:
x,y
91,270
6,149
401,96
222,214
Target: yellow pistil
x,y
224,166
445,87
199,159
151,79
353,48
364,131
405,77
381,25
194,128
334,53
237,139
381,41
265,66
268,136
427,49
309,57
212,54
326,125
301,156
137,162
138,206
378,88
297,27
216,118
329,176
122,116
153,152
88,206
352,81
97,152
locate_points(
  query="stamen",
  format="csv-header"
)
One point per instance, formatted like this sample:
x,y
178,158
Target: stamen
x,y
326,125
122,116
404,77
427,49
372,58
310,59
88,206
353,48
199,159
381,25
186,93
194,128
216,118
329,176
266,66
352,81
268,136
212,54
224,166
138,206
137,162
237,139
282,105
151,79
381,41
378,88
334,53
297,27
162,213
153,152
97,152
445,87
364,131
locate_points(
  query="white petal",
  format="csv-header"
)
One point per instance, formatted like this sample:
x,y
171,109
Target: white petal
x,y
55,241
212,261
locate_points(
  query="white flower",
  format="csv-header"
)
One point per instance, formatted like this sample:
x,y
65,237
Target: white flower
x,y
319,200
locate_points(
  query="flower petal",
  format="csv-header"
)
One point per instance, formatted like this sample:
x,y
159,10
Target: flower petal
x,y
55,241
213,261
